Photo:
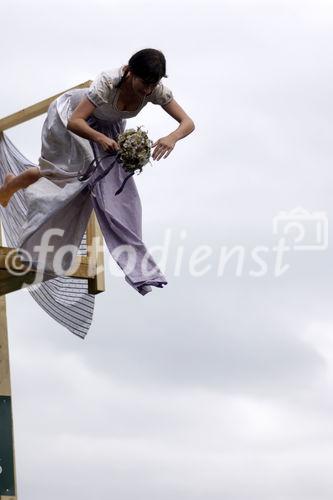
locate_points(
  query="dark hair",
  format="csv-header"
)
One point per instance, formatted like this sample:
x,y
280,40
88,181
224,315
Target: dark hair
x,y
148,64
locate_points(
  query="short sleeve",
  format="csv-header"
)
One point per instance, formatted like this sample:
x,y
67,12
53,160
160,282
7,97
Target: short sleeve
x,y
161,95
99,91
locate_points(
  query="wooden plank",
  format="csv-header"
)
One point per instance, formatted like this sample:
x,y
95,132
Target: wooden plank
x,y
95,254
4,355
9,282
85,267
10,260
4,358
6,434
35,110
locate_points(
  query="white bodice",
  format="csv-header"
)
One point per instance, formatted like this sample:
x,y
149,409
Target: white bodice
x,y
103,94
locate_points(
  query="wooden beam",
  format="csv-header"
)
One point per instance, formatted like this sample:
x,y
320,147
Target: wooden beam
x,y
95,255
10,261
7,454
35,110
90,266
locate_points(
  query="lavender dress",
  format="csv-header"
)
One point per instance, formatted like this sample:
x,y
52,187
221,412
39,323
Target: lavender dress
x,y
61,203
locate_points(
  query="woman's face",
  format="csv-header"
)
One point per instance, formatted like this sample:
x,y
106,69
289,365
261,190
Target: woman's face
x,y
142,88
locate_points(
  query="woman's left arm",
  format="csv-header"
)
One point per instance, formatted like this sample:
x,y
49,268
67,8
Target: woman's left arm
x,y
165,145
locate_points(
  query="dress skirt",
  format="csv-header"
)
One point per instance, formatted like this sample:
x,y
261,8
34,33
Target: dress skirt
x,y
60,205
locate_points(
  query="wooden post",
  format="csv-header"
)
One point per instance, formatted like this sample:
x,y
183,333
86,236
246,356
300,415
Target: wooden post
x,y
7,457
95,256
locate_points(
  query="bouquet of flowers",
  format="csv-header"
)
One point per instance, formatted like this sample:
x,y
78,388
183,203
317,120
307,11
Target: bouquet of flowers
x,y
134,154
135,148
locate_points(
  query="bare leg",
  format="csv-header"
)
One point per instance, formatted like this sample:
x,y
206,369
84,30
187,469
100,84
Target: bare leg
x,y
13,183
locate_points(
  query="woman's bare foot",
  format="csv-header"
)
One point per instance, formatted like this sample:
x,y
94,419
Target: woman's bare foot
x,y
5,192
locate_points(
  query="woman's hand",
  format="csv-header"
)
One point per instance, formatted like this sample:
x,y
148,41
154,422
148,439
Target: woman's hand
x,y
164,146
107,143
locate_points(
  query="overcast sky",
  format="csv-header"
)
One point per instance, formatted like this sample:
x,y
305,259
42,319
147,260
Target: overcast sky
x,y
217,387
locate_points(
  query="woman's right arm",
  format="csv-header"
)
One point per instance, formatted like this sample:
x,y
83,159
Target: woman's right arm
x,y
78,125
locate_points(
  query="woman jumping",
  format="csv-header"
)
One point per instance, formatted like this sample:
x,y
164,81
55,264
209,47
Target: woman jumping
x,y
82,126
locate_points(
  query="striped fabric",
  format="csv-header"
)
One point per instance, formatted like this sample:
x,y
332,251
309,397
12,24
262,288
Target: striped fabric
x,y
65,299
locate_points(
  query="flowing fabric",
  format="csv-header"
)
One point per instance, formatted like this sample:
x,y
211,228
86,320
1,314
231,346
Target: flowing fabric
x,y
59,200
60,204
65,299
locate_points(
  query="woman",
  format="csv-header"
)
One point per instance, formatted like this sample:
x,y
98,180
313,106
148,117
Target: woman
x,y
82,126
